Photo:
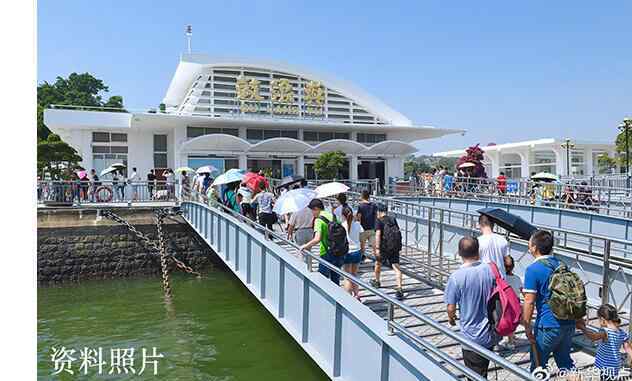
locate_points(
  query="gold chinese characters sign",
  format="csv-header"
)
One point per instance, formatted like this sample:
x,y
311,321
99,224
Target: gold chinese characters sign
x,y
282,100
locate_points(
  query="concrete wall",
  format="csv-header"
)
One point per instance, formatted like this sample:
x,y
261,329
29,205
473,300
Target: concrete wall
x,y
73,248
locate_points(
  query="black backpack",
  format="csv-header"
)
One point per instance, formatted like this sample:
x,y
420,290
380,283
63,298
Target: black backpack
x,y
391,240
337,243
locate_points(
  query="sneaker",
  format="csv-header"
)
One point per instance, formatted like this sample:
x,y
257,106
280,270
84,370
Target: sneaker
x,y
375,283
399,294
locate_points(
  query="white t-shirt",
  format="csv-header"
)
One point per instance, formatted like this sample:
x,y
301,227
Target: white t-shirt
x,y
493,248
302,219
353,235
515,282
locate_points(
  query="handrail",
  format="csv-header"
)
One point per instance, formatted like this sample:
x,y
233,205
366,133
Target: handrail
x,y
590,199
472,215
523,374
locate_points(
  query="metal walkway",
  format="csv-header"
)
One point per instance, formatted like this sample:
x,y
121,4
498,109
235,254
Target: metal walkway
x,y
419,323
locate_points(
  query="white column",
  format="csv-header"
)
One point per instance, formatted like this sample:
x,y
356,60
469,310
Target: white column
x,y
560,161
179,136
300,164
524,163
494,159
243,161
588,162
353,168
394,168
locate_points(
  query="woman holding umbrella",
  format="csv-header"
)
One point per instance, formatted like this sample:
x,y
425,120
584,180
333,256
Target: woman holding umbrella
x,y
265,203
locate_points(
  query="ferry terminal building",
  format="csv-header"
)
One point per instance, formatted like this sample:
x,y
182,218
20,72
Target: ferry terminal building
x,y
236,113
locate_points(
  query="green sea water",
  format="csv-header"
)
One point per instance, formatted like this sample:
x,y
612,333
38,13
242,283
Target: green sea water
x,y
213,329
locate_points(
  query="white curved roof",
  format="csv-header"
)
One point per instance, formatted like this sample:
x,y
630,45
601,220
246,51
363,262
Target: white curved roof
x,y
284,145
391,147
216,142
193,65
230,143
344,145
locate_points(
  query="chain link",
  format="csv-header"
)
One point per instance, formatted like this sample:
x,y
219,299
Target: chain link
x,y
166,286
148,242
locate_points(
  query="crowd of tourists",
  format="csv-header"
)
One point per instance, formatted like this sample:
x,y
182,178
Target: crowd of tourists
x,y
549,289
487,299
118,185
547,192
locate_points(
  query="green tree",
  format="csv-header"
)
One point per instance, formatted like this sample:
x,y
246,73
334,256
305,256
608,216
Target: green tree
x,y
77,90
329,164
620,146
606,163
56,157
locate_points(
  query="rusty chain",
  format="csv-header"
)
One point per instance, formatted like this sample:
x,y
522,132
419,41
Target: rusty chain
x,y
166,286
148,242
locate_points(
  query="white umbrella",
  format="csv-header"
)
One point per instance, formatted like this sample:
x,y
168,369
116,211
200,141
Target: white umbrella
x,y
544,176
118,165
330,189
230,176
107,170
206,169
294,200
467,165
184,169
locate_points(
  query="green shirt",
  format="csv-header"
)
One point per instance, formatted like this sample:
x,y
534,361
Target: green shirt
x,y
321,227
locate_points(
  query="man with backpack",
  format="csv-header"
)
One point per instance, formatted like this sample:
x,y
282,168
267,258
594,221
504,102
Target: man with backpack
x,y
469,288
332,237
366,214
559,297
388,242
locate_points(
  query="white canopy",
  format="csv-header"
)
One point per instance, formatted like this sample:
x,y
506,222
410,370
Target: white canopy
x,y
344,145
391,147
284,145
216,142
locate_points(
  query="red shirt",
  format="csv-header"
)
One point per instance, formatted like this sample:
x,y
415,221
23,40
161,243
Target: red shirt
x,y
502,183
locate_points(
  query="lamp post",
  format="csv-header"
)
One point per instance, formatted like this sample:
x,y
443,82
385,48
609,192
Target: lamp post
x,y
625,127
568,146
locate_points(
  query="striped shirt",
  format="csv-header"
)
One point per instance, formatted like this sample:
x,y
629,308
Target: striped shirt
x,y
608,353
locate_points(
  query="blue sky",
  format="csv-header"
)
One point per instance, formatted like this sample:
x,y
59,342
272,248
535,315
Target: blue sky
x,y
503,70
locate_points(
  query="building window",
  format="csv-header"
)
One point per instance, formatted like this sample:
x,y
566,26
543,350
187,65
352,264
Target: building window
x,y
160,151
119,137
270,134
310,136
323,136
577,162
100,137
370,138
194,132
289,134
257,135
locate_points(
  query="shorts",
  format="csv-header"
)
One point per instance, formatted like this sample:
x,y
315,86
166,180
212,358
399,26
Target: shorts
x,y
389,259
267,219
353,257
368,235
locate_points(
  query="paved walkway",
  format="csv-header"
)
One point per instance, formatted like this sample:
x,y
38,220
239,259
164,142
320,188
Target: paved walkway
x,y
423,292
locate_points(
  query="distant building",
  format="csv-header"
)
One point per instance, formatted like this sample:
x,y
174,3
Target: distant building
x,y
521,159
247,114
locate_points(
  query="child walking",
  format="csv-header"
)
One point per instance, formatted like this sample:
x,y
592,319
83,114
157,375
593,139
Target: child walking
x,y
611,337
516,284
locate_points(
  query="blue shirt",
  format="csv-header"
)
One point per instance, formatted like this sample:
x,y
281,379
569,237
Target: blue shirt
x,y
469,287
536,281
608,353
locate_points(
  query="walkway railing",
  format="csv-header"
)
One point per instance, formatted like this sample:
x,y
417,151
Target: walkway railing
x,y
571,195
604,263
197,214
105,191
